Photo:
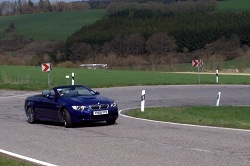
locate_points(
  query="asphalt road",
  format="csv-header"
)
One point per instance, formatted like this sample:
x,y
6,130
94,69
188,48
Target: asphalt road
x,y
131,142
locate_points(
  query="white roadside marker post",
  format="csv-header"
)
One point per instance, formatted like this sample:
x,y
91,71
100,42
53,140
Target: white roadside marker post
x,y
218,99
73,79
142,100
217,76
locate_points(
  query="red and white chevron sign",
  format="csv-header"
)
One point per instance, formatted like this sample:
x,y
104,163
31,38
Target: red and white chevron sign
x,y
195,63
46,67
201,62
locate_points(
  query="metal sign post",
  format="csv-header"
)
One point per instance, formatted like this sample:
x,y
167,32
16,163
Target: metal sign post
x,y
46,67
199,78
48,79
197,63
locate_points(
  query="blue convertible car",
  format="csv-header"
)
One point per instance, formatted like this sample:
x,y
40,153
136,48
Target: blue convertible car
x,y
70,105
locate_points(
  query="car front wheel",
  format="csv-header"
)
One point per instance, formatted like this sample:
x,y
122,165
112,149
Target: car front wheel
x,y
111,121
66,119
30,115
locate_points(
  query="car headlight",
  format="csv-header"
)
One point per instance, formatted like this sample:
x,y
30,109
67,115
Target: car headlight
x,y
79,108
113,105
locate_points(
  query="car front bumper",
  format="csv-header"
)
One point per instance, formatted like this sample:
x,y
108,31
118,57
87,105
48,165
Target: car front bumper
x,y
88,116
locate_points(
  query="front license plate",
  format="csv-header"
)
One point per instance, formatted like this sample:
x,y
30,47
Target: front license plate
x,y
101,112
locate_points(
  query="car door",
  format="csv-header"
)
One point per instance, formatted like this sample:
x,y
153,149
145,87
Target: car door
x,y
51,108
37,104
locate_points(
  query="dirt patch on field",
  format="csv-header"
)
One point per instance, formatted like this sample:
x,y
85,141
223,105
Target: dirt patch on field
x,y
36,47
222,73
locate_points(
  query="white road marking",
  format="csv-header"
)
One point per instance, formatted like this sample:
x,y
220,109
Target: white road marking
x,y
179,124
26,158
201,150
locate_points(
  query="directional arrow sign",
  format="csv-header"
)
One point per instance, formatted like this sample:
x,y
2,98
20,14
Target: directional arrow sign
x,y
201,62
46,67
195,63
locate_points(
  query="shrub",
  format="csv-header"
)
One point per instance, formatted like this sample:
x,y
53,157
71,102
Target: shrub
x,y
68,64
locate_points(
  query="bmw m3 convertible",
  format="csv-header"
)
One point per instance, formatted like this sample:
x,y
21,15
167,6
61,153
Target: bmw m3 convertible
x,y
70,105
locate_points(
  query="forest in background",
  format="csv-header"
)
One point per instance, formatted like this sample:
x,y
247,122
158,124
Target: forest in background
x,y
155,33
158,33
18,7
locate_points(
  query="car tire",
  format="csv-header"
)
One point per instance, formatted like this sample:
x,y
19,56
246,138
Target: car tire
x,y
30,115
66,119
111,121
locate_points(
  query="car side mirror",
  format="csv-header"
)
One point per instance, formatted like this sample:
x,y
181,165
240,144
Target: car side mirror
x,y
97,93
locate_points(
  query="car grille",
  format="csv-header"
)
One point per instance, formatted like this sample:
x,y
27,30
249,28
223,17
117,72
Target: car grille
x,y
101,106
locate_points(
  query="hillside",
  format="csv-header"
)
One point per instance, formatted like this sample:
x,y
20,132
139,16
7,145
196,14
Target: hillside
x,y
191,25
60,25
49,26
142,36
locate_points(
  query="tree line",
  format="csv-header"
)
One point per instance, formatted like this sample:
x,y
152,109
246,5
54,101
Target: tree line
x,y
157,28
18,7
28,7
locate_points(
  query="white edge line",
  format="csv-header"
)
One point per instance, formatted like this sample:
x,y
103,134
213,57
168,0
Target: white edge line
x,y
26,158
179,124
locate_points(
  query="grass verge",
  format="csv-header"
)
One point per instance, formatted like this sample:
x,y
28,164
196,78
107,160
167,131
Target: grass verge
x,y
9,161
223,116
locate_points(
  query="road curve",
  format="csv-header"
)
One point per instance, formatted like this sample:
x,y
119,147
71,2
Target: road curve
x,y
131,142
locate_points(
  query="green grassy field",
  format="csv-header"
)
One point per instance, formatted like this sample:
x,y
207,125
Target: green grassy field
x,y
223,116
8,161
50,26
234,5
32,78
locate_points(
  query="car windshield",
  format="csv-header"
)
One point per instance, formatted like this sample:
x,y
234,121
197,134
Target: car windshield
x,y
74,91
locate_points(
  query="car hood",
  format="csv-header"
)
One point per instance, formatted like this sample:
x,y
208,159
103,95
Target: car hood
x,y
86,100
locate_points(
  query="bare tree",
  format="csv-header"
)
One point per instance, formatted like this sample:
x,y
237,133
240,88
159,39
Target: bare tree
x,y
228,48
160,43
106,48
154,59
117,45
6,8
44,5
62,6
79,5
80,51
135,44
